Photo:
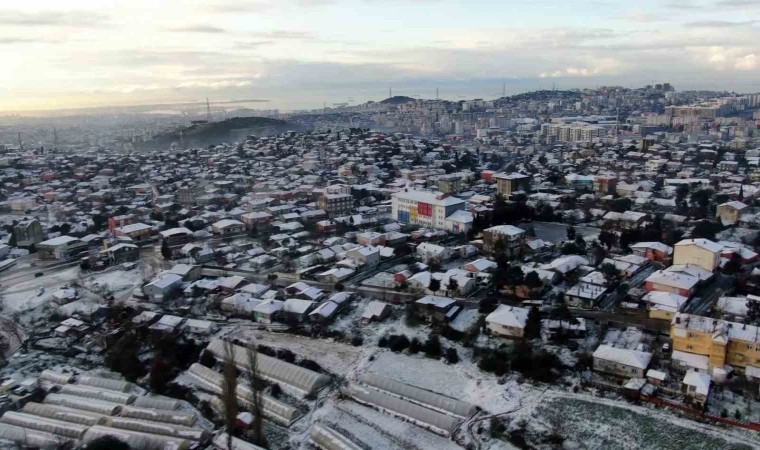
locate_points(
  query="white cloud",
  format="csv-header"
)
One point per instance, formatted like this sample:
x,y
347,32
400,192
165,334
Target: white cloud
x,y
747,62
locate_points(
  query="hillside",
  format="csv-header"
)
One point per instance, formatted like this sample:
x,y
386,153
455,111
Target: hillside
x,y
230,130
397,100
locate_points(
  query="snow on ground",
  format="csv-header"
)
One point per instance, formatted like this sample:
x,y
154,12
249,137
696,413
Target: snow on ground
x,y
381,279
118,282
30,294
598,423
463,381
333,356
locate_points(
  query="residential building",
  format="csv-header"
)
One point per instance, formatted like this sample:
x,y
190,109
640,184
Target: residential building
x,y
621,362
61,248
730,212
507,321
336,205
716,342
28,233
699,252
509,183
508,239
427,209
228,227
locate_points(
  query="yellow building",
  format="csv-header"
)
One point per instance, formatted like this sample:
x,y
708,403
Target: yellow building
x,y
720,341
698,252
729,212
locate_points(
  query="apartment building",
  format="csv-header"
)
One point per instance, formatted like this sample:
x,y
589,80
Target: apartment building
x,y
507,238
336,205
699,252
700,342
508,183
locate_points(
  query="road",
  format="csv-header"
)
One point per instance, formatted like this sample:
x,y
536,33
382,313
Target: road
x,y
710,295
610,302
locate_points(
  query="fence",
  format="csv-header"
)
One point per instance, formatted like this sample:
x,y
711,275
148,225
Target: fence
x,y
695,412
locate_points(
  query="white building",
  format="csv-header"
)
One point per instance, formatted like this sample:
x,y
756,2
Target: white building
x,y
429,209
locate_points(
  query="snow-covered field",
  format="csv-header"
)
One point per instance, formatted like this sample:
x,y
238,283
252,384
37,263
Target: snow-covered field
x,y
30,294
594,423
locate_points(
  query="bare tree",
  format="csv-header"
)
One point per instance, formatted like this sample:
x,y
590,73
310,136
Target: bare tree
x,y
257,406
229,392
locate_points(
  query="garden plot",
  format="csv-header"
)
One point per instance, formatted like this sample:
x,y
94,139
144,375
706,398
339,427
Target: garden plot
x,y
594,423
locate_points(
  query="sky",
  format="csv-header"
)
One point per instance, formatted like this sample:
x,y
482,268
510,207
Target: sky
x,y
302,53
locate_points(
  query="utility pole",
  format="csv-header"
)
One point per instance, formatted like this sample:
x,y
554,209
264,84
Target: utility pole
x,y
208,111
55,140
20,145
390,92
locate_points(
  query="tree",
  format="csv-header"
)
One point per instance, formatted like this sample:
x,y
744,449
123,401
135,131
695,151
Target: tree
x,y
229,392
532,280
432,347
108,443
533,324
161,373
515,276
451,355
608,238
166,251
255,400
434,285
122,357
571,233
753,311
621,204
487,305
453,285
611,273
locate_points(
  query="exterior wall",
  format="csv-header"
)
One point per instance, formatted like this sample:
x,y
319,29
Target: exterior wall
x,y
692,254
699,343
504,331
650,286
661,314
613,368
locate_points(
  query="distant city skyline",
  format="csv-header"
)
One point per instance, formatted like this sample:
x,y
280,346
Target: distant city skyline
x,y
299,54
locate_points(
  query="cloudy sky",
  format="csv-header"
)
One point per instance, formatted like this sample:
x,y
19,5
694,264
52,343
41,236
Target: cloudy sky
x,y
300,53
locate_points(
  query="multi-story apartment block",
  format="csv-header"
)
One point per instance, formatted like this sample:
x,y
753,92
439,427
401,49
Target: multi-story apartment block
x,y
336,205
510,238
714,343
699,252
508,183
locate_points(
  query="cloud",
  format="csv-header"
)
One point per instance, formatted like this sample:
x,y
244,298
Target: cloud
x,y
282,34
197,29
20,40
747,62
83,19
214,84
721,24
739,3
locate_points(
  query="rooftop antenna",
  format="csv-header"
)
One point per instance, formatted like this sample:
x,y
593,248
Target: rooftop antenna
x,y
55,139
208,111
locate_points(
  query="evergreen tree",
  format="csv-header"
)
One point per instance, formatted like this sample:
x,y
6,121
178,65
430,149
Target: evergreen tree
x,y
533,324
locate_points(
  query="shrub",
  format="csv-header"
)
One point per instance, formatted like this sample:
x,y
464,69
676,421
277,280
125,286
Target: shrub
x,y
432,347
108,443
276,391
265,350
311,365
208,359
398,343
451,355
357,341
383,342
414,346
286,355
